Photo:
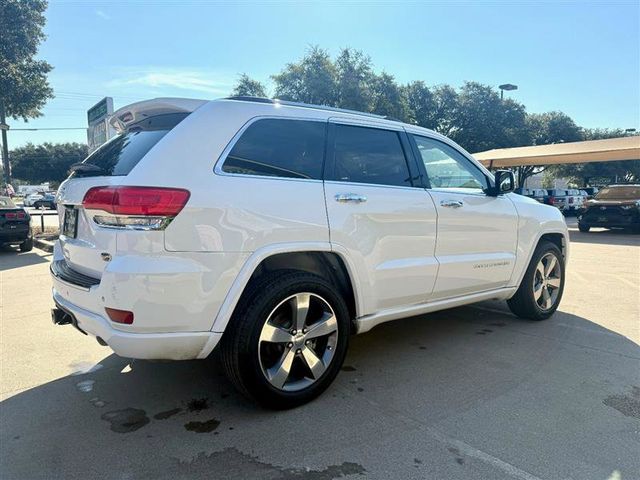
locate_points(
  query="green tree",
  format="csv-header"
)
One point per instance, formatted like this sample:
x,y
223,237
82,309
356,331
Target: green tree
x,y
24,89
598,173
311,80
483,121
354,80
48,162
388,98
248,87
421,103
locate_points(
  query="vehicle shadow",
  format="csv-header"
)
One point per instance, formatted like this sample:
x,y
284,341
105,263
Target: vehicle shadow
x,y
604,236
142,419
11,257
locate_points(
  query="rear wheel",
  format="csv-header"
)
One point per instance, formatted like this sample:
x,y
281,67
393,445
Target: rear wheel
x,y
541,288
287,340
583,228
27,245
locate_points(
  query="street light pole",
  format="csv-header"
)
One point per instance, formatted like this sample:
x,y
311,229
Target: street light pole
x,y
506,86
5,148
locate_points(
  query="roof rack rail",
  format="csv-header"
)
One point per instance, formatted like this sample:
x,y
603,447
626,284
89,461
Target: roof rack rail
x,y
246,98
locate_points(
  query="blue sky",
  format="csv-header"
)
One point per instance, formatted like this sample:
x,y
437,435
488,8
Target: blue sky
x,y
578,57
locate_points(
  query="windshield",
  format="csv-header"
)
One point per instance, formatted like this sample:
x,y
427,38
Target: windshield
x,y
119,155
619,193
6,202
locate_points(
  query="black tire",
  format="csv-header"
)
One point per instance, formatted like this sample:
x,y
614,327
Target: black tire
x,y
239,345
583,228
523,303
27,245
37,205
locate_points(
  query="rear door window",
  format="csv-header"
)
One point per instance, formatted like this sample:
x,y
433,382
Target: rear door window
x,y
279,148
369,155
119,155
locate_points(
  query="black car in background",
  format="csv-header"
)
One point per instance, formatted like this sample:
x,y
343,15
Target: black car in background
x,y
615,206
15,226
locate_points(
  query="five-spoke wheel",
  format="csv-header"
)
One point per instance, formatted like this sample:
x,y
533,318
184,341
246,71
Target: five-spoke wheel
x,y
287,342
298,341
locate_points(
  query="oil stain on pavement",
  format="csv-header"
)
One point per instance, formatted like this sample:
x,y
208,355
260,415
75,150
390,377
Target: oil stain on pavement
x,y
628,405
127,420
202,427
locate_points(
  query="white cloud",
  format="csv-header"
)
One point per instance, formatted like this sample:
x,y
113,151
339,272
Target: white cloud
x,y
103,15
211,82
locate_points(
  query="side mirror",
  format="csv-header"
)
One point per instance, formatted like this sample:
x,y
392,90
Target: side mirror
x,y
505,182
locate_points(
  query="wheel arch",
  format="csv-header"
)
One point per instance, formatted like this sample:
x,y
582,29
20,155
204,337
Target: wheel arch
x,y
318,259
560,238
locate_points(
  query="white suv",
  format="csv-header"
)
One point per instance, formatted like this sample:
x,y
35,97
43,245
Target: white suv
x,y
275,230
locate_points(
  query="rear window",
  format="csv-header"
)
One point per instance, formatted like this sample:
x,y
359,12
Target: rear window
x,y
619,193
119,155
279,148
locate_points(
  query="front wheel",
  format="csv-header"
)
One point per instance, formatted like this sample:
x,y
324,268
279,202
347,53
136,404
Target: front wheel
x,y
541,289
286,342
583,228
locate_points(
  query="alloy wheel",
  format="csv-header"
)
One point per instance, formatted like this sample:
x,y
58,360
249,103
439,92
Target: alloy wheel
x,y
546,281
298,341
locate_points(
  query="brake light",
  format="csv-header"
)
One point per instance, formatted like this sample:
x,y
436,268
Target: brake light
x,y
142,201
552,200
120,316
15,215
137,208
10,216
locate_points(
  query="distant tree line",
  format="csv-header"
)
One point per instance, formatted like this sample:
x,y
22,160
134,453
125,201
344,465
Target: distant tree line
x,y
473,115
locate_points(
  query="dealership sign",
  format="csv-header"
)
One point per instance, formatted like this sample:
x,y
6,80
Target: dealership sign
x,y
99,130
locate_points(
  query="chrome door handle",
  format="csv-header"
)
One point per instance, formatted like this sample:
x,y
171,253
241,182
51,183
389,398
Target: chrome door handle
x,y
350,198
452,203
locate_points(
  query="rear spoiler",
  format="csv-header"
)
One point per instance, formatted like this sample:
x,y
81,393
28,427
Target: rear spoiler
x,y
125,116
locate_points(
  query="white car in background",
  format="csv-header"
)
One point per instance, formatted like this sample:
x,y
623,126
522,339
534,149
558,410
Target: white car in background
x,y
275,230
30,199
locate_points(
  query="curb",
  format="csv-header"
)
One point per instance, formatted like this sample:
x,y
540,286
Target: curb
x,y
45,245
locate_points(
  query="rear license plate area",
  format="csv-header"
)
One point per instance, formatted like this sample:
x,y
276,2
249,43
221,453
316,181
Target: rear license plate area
x,y
70,222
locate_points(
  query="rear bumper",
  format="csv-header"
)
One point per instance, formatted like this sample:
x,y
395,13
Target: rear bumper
x,y
17,235
175,298
151,346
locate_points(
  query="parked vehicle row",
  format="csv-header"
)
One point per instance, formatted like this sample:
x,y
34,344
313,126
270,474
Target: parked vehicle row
x,y
40,200
275,230
566,200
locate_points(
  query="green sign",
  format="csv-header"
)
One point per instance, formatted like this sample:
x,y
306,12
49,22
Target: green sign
x,y
98,111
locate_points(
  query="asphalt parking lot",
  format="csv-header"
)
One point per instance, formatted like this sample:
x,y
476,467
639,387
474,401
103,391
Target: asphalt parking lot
x,y
468,393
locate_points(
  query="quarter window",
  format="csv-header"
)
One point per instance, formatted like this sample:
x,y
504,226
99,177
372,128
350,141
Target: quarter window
x,y
448,168
369,155
279,148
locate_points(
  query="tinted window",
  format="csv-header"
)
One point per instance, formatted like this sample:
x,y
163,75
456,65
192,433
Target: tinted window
x,y
369,155
120,154
447,168
279,148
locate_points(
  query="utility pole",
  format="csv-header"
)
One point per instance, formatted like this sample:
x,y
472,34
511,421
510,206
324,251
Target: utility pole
x,y
5,148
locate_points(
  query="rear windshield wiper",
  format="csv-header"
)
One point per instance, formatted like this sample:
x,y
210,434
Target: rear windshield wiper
x,y
86,168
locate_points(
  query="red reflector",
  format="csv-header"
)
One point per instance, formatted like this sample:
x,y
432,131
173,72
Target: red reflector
x,y
21,216
120,316
152,201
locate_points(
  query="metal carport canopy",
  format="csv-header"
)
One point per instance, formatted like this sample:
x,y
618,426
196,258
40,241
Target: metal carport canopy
x,y
611,149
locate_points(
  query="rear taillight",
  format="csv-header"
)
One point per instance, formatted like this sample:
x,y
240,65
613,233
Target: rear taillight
x,y
552,200
15,216
139,208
